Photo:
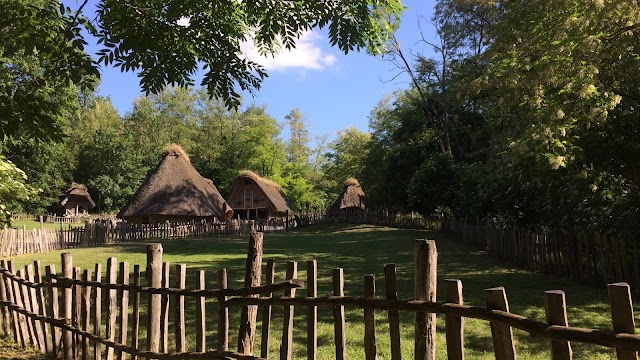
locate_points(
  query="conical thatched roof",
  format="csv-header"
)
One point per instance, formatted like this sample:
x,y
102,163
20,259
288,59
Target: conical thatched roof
x,y
350,197
175,188
78,193
272,190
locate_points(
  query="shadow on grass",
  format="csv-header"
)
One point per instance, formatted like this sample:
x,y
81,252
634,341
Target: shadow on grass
x,y
364,250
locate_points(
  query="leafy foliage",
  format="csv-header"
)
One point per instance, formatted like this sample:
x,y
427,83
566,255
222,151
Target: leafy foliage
x,y
169,42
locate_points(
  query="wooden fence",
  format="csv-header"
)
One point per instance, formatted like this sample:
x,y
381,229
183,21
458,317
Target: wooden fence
x,y
52,218
22,241
63,314
594,258
371,217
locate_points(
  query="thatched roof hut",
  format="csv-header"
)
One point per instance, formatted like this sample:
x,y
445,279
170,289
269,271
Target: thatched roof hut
x,y
350,199
174,191
75,201
254,197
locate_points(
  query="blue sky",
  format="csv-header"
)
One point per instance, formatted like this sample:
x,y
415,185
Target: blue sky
x,y
333,90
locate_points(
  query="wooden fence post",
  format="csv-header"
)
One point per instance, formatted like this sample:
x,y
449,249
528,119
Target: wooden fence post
x,y
86,314
312,311
16,297
454,325
200,314
181,276
135,326
393,315
42,304
369,319
426,268
287,317
622,315
555,307
67,300
223,313
53,309
338,315
266,311
501,334
6,319
124,306
154,280
164,310
97,313
112,310
253,273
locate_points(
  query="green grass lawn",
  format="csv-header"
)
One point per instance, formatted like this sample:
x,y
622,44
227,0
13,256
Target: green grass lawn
x,y
30,224
364,250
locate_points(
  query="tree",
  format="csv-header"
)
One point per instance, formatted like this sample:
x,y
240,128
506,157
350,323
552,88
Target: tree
x,y
180,35
346,158
13,189
42,62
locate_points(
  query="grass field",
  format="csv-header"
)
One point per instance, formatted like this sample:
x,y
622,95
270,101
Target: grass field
x,y
364,250
30,224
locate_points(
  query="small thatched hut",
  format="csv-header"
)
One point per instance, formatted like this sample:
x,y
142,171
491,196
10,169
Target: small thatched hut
x,y
75,201
350,201
174,191
253,197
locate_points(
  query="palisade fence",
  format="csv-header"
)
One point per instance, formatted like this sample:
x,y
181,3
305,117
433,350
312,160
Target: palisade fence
x,y
370,217
63,315
591,258
22,241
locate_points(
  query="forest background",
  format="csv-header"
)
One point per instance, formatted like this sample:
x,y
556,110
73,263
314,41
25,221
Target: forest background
x,y
525,116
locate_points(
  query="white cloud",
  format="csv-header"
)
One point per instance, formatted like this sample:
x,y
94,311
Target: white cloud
x,y
306,55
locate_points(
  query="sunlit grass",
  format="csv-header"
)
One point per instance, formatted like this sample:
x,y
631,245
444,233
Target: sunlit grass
x,y
364,250
30,224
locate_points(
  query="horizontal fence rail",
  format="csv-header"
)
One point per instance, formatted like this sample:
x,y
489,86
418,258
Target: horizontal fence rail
x,y
82,314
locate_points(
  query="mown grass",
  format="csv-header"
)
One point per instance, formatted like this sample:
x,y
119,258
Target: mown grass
x,y
30,224
364,250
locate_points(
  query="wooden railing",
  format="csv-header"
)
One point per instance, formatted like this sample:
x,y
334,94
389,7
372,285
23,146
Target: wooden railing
x,y
63,314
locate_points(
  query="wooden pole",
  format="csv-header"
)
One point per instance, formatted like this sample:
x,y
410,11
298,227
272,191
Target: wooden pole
x,y
200,314
154,279
181,275
86,314
135,326
393,315
253,273
112,310
164,309
501,334
6,318
17,300
426,271
42,304
97,314
454,325
67,300
223,313
53,309
123,322
287,317
266,311
622,315
338,315
312,311
369,319
555,308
